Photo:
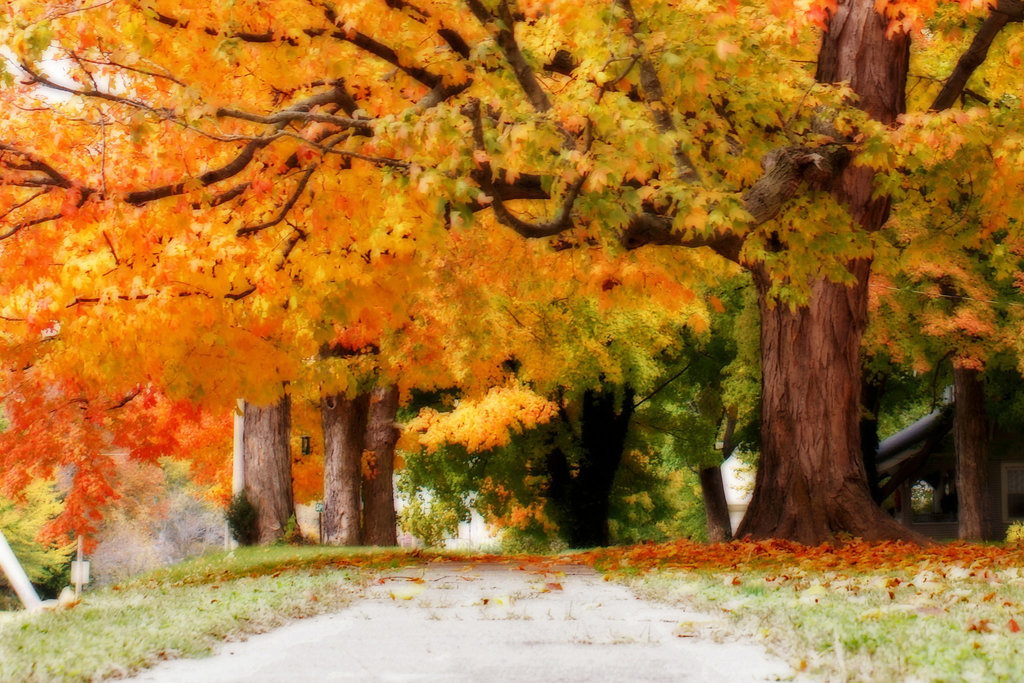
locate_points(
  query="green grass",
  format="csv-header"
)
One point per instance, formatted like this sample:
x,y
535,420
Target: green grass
x,y
183,611
942,623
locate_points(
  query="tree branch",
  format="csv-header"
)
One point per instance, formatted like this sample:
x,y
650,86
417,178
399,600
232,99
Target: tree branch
x,y
654,96
34,163
288,115
455,41
655,229
559,223
506,39
299,189
1003,13
15,229
360,40
785,170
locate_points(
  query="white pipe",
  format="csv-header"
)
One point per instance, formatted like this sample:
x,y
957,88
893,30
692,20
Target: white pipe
x,y
17,577
238,464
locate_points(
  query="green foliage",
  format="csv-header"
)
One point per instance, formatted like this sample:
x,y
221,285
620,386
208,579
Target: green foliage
x,y
1015,533
652,503
241,516
1004,392
532,539
292,534
431,521
47,564
685,392
654,496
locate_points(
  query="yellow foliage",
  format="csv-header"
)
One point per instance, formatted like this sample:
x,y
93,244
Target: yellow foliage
x,y
480,424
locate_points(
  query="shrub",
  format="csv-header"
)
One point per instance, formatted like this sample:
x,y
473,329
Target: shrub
x,y
1015,533
241,516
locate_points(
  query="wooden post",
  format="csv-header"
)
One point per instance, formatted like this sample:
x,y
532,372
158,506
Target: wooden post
x,y
79,570
17,577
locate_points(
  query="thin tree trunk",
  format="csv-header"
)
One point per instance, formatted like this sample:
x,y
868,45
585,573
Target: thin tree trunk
x,y
870,402
970,435
379,520
579,495
811,483
716,508
268,466
344,427
603,437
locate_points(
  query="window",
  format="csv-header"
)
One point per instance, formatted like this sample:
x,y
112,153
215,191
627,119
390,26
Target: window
x,y
1013,491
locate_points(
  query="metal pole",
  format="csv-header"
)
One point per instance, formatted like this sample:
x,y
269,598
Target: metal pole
x,y
17,577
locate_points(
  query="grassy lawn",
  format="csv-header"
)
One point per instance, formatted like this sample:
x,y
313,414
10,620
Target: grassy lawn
x,y
183,611
872,613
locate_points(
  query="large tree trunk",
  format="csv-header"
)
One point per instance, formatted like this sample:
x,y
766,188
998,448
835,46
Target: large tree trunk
x,y
344,427
268,466
379,521
811,484
970,434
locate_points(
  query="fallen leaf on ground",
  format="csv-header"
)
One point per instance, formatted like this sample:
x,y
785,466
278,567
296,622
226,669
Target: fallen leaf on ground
x,y
406,592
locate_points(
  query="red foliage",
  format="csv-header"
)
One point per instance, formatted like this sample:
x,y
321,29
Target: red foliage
x,y
62,431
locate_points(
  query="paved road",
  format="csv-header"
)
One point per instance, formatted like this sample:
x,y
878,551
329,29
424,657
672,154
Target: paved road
x,y
486,622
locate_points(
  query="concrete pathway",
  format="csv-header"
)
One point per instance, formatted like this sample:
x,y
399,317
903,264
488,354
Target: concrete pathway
x,y
487,622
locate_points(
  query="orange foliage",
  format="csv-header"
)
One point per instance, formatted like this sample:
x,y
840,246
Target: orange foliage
x,y
853,556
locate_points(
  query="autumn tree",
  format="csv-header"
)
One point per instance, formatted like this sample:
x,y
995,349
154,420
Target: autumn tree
x,y
61,429
771,140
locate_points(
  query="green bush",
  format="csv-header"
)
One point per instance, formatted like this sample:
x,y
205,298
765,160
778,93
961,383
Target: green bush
x,y
47,565
1015,533
241,516
431,521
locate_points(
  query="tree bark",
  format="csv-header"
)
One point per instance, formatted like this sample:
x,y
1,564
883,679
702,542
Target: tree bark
x,y
970,436
344,427
268,466
811,484
379,519
716,508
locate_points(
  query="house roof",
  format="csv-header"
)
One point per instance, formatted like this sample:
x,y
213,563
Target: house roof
x,y
901,445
